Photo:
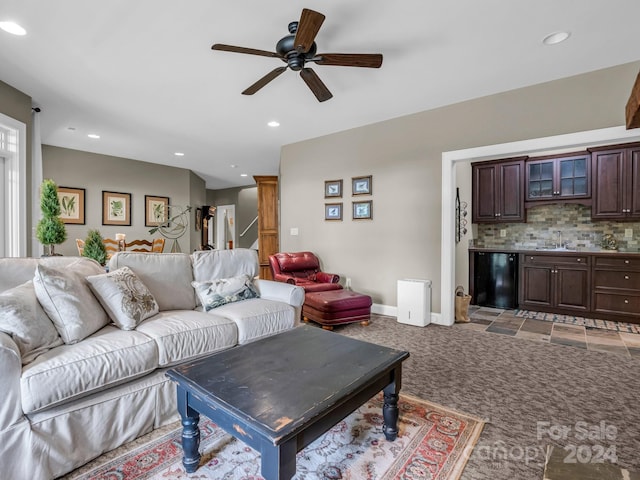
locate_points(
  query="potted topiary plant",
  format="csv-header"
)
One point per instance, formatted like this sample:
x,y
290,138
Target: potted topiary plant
x,y
94,247
50,230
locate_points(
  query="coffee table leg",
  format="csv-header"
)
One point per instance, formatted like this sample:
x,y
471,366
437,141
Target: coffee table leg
x,y
190,433
390,412
279,462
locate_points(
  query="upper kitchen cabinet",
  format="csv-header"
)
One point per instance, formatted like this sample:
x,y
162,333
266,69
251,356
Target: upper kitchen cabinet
x,y
616,182
498,191
557,178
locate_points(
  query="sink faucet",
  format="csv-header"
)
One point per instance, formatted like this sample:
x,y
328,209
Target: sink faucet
x,y
559,242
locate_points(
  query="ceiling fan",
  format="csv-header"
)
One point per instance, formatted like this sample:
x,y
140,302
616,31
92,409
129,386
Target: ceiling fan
x,y
299,48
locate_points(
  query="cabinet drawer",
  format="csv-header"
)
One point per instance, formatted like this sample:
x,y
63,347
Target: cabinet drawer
x,y
615,261
616,303
556,259
618,279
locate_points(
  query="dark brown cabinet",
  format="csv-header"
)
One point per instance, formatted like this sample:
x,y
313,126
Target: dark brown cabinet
x,y
616,183
616,287
558,178
498,191
555,282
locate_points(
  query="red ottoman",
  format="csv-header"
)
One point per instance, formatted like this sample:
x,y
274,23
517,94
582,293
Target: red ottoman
x,y
336,307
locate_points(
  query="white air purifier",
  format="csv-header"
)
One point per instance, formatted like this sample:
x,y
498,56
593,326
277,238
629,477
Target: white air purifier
x,y
414,302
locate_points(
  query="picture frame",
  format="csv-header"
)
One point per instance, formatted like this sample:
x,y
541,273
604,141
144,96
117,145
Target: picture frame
x,y
72,205
333,211
155,210
361,185
116,208
363,210
333,189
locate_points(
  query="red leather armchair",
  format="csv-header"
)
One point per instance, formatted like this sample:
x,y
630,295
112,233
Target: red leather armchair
x,y
302,269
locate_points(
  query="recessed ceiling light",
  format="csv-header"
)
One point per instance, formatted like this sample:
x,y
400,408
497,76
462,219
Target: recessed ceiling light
x,y
233,165
273,124
243,175
179,154
93,135
13,28
557,37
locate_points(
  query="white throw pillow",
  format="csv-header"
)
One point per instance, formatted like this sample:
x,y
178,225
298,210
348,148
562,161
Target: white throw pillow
x,y
67,299
125,298
22,317
219,292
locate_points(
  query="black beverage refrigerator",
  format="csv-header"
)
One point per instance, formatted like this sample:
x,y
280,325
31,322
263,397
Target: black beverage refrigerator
x,y
495,279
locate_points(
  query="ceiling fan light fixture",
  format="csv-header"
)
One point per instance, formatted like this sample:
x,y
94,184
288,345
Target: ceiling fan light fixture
x,y
12,28
555,38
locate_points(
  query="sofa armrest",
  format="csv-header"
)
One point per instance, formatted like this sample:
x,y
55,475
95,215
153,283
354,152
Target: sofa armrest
x,y
282,292
10,371
324,277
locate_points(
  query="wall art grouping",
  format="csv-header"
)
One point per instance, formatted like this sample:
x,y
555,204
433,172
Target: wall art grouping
x,y
361,209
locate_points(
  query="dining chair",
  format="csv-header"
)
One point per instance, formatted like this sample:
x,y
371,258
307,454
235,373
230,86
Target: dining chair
x,y
139,246
111,246
80,245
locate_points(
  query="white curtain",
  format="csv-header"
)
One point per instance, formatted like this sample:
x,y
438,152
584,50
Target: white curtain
x,y
36,181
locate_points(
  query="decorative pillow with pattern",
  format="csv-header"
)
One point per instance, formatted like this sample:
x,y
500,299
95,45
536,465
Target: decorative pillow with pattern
x,y
22,318
125,298
216,293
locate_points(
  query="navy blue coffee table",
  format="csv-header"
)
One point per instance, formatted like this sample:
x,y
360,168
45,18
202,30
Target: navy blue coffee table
x,y
280,393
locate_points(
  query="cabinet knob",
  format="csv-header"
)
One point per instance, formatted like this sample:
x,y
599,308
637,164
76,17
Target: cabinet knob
x,y
626,301
626,261
626,277
579,259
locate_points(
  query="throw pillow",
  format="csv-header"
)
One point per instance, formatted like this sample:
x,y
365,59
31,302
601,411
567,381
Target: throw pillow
x,y
219,292
68,301
125,298
22,317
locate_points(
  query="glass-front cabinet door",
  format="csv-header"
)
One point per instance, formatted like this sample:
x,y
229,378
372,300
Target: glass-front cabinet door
x,y
558,178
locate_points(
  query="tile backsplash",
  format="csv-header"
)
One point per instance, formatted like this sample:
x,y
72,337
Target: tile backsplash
x,y
543,223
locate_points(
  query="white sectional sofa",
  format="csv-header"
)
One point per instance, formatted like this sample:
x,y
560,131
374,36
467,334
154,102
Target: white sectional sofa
x,y
69,396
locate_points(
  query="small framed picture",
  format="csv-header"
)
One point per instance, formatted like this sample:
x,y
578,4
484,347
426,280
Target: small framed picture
x,y
362,210
333,211
333,188
155,210
361,185
116,208
71,205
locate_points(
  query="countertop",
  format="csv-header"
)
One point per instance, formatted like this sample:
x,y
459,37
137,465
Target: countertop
x,y
528,250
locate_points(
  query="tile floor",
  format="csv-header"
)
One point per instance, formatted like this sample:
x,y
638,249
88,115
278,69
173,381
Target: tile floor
x,y
504,322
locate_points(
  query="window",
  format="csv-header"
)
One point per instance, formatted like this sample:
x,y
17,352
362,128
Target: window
x,y
13,179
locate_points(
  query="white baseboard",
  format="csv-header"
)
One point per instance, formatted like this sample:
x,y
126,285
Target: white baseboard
x,y
392,311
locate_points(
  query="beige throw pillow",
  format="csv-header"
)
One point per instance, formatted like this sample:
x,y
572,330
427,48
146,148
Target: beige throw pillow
x,y
68,301
22,317
125,298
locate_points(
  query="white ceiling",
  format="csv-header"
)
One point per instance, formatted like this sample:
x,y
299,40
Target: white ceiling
x,y
141,73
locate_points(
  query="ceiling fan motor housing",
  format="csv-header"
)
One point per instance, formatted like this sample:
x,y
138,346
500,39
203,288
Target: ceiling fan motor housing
x,y
287,49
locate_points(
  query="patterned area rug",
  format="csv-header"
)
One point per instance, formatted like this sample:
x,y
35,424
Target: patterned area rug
x,y
434,443
585,322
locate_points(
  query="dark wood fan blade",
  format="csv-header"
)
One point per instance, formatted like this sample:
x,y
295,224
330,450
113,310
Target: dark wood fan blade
x,y
318,88
308,28
264,80
367,60
250,51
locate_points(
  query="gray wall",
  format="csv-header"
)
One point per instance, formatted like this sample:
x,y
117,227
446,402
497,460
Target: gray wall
x,y
95,173
17,105
404,155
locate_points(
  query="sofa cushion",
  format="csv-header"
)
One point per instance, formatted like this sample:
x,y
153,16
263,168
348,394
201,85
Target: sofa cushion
x,y
215,293
22,317
66,297
108,357
185,334
215,264
125,298
168,276
258,317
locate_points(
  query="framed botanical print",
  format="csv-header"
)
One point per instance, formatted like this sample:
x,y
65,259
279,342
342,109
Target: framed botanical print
x,y
333,188
333,211
71,205
362,210
155,210
116,208
361,185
